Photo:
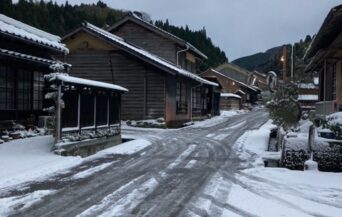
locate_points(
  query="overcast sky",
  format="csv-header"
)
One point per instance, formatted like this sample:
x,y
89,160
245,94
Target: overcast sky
x,y
239,27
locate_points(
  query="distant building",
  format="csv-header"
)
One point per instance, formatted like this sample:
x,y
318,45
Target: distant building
x,y
308,95
325,56
247,93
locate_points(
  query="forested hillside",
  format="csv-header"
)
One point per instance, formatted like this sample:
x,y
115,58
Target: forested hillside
x,y
270,60
60,19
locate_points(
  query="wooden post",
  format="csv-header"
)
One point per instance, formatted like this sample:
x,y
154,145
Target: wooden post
x,y
284,62
79,113
108,97
58,114
95,124
311,138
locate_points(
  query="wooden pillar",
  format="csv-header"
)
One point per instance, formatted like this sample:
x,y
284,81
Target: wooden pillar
x,y
108,97
145,95
95,124
79,112
58,114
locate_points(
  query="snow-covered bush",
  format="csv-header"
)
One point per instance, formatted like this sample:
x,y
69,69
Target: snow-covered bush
x,y
334,123
327,155
284,108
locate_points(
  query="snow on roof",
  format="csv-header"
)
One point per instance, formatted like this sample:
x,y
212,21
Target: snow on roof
x,y
316,80
193,48
74,80
148,55
26,32
236,81
26,56
307,86
230,95
240,91
272,73
309,97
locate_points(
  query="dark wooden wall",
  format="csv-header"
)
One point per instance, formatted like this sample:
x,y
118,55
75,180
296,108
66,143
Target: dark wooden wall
x,y
148,40
146,85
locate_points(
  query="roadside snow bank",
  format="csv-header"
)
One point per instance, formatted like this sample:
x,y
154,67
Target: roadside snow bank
x,y
254,143
268,192
27,159
31,159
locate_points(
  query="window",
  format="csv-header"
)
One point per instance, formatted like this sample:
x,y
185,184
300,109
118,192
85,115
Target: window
x,y
196,98
24,89
20,89
181,98
38,85
7,88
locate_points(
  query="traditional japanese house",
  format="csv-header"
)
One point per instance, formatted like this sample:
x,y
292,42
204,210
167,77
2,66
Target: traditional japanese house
x,y
325,56
230,101
260,80
144,34
236,72
157,87
307,96
141,32
25,57
87,109
248,93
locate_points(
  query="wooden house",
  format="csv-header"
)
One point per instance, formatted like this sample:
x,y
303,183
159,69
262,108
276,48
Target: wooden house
x,y
307,96
84,110
325,56
260,80
136,30
25,57
248,93
235,72
230,101
157,41
157,87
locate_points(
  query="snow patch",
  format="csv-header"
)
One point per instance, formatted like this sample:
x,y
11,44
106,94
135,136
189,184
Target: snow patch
x,y
10,204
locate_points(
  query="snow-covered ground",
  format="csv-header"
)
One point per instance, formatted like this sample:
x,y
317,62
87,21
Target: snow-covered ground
x,y
31,159
216,119
261,191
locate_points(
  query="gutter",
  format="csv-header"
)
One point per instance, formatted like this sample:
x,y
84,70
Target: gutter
x,y
181,51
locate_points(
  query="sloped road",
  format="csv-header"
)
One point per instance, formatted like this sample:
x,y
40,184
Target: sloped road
x,y
162,180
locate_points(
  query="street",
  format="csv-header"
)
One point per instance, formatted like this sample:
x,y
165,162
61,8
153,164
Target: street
x,y
161,180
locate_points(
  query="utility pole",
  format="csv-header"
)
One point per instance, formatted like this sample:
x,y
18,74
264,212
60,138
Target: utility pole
x,y
292,62
284,61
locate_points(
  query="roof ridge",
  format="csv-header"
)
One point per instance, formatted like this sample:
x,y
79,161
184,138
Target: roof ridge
x,y
146,54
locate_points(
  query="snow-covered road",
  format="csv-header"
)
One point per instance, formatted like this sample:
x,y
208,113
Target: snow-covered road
x,y
194,171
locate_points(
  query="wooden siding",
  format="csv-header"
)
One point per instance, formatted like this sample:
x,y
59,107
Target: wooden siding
x,y
148,40
172,118
145,98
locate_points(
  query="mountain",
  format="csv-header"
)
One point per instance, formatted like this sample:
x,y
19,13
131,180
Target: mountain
x,y
270,60
61,19
262,62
